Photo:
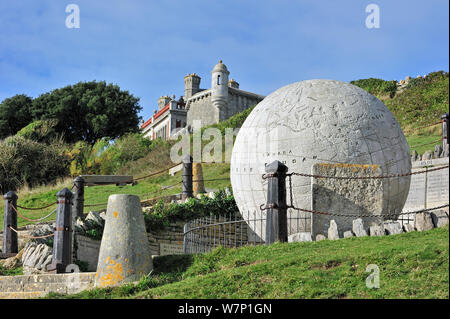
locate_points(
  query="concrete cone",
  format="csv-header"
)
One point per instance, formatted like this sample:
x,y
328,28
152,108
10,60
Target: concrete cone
x,y
197,175
124,251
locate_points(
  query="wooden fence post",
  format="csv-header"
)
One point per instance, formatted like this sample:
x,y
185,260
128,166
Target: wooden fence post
x,y
276,218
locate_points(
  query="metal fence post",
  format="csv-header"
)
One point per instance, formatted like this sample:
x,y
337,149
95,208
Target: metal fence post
x,y
276,218
187,178
62,243
10,245
445,130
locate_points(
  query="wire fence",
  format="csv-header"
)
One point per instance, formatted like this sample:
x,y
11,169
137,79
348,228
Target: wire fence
x,y
231,231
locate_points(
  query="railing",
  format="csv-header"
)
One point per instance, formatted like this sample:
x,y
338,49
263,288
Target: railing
x,y
231,231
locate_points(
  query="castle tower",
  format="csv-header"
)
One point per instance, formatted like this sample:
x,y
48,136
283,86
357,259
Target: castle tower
x,y
162,101
191,85
219,86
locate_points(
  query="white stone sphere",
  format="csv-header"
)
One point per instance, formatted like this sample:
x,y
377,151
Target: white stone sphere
x,y
316,121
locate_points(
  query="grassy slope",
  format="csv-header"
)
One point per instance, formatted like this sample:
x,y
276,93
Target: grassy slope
x,y
412,265
414,107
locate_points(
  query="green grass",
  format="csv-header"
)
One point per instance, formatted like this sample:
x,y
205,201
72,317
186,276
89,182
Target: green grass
x,y
412,265
11,272
145,189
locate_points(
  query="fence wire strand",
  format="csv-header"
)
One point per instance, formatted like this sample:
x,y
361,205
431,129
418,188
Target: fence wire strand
x,y
29,219
31,237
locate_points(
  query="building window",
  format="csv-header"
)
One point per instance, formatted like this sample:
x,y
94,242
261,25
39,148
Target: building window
x,y
178,124
218,79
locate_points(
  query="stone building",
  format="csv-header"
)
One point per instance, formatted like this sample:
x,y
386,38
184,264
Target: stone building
x,y
210,106
168,120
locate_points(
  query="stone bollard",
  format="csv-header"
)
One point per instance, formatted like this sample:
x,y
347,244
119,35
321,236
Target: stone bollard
x,y
124,251
10,244
78,198
198,186
186,191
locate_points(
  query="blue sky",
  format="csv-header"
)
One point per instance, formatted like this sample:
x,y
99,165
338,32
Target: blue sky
x,y
147,47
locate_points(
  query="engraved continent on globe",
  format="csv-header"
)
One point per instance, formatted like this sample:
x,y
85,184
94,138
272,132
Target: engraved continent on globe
x,y
316,121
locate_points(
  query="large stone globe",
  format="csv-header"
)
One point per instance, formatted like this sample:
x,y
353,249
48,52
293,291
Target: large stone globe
x,y
316,121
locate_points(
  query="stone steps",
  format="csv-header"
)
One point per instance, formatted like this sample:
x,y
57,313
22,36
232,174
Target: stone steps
x,y
33,286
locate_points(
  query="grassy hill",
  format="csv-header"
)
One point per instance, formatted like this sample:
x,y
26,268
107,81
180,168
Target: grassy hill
x,y
412,265
422,102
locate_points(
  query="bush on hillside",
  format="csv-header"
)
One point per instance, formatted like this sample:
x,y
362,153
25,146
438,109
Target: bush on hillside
x,y
40,131
377,87
162,215
106,157
23,161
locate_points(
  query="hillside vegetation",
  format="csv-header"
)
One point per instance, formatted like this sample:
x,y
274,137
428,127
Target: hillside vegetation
x,y
412,265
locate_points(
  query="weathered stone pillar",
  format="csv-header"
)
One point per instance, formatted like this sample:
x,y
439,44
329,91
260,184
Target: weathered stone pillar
x,y
10,245
445,130
124,251
198,186
78,197
276,218
187,178
62,240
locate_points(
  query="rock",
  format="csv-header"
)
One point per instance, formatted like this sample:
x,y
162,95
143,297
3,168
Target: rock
x,y
437,151
376,230
439,218
333,233
392,227
34,258
414,156
358,228
408,228
348,234
320,237
93,220
426,156
445,151
103,216
11,263
299,237
423,221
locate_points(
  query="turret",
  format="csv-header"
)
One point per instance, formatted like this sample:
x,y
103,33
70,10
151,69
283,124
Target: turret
x,y
191,85
219,85
162,101
233,84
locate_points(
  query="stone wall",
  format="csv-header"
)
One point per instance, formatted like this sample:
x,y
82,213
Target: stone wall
x,y
429,189
34,286
202,109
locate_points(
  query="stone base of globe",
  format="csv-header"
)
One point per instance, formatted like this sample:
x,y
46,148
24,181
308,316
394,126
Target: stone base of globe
x,y
311,122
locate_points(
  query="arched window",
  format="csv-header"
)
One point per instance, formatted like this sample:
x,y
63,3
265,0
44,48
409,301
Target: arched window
x,y
218,79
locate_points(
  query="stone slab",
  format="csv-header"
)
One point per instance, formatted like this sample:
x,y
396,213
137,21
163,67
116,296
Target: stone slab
x,y
345,197
171,249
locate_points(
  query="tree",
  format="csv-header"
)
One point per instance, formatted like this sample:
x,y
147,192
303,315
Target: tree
x,y
14,114
88,111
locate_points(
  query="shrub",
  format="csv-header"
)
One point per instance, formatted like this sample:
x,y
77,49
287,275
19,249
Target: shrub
x,y
193,208
377,86
40,131
23,161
